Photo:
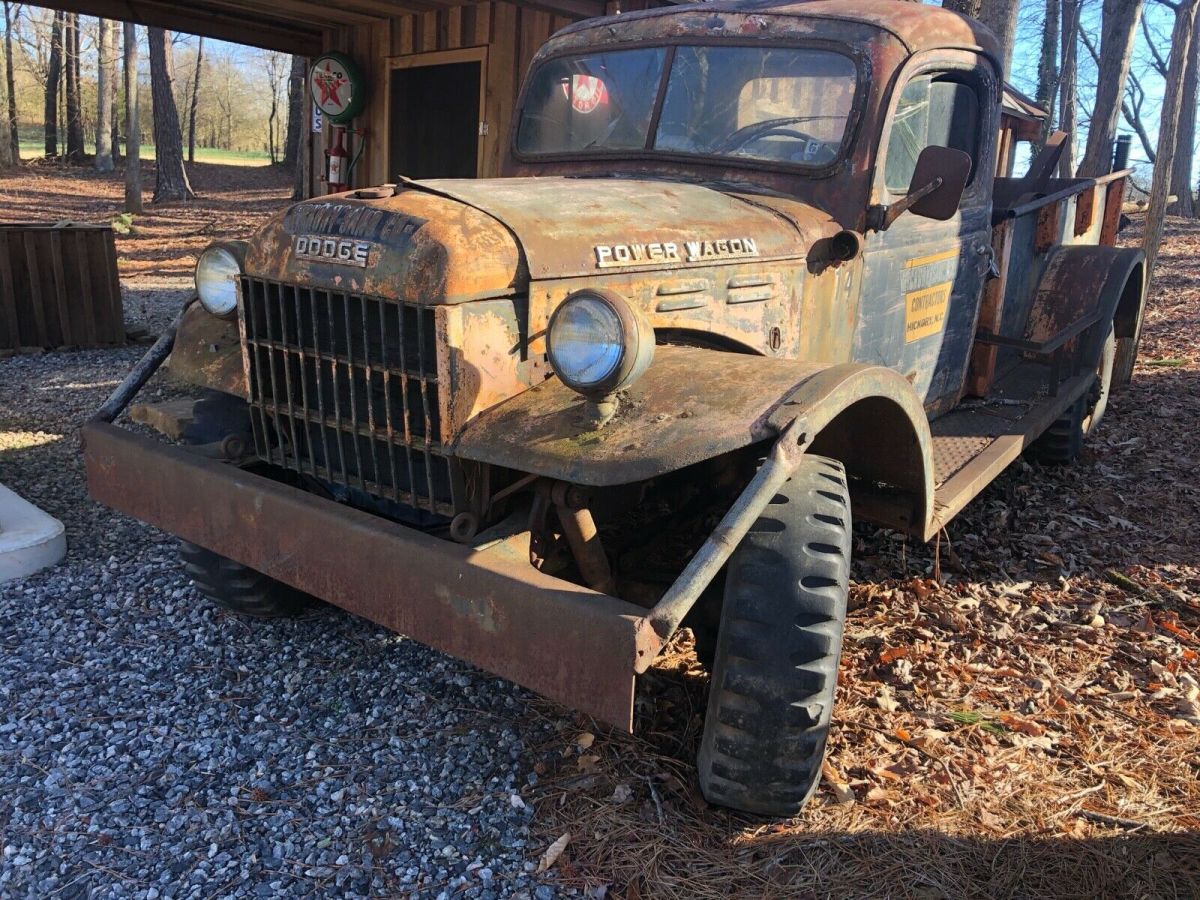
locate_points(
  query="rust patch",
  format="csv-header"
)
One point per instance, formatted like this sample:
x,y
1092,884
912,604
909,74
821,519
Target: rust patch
x,y
208,353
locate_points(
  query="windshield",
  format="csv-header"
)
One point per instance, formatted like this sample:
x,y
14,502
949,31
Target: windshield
x,y
787,105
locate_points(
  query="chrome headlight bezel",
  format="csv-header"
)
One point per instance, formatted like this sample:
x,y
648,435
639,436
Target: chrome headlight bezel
x,y
625,352
218,270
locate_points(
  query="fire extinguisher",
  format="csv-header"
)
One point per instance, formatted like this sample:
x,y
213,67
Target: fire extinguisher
x,y
339,162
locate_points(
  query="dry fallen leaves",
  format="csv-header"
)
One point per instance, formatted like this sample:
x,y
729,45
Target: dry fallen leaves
x,y
553,852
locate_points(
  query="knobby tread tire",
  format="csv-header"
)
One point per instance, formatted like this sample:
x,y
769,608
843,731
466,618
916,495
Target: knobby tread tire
x,y
1062,442
233,586
775,669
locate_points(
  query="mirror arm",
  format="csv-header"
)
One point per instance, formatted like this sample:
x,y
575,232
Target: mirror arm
x,y
880,217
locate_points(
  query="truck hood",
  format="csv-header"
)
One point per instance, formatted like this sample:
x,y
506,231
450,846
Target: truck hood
x,y
451,241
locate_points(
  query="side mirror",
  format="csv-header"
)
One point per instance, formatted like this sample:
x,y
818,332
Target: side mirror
x,y
936,189
953,167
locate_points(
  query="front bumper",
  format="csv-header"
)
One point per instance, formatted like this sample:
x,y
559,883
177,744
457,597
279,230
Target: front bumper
x,y
486,605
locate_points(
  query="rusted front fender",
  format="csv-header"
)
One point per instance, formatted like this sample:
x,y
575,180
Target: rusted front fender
x,y
208,353
696,404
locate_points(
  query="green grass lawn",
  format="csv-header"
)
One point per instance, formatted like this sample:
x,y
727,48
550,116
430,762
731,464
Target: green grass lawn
x,y
33,149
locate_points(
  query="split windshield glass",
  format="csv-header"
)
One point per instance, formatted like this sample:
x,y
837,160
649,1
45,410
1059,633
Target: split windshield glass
x,y
788,105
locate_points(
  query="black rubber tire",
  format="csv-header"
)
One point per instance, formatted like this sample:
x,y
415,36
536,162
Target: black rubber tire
x,y
237,588
1062,442
775,669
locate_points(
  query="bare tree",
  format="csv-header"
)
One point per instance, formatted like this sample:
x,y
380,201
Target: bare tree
x,y
1168,130
1118,26
105,85
998,15
133,125
277,66
1047,92
1182,185
75,149
295,125
53,75
1132,103
1068,82
6,154
195,102
14,135
172,182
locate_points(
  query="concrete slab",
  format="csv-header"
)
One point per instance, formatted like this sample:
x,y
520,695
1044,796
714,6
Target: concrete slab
x,y
30,540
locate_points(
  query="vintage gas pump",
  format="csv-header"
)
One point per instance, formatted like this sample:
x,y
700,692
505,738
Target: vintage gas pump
x,y
339,92
338,170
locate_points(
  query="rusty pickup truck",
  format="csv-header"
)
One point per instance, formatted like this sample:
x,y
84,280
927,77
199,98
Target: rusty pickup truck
x,y
756,269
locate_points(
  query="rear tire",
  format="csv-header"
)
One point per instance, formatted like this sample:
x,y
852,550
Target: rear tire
x,y
775,668
237,588
1063,441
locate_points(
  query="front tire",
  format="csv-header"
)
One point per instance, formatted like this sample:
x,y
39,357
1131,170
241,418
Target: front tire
x,y
237,588
780,638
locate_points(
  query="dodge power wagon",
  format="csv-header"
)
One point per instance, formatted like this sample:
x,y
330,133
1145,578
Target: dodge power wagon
x,y
754,269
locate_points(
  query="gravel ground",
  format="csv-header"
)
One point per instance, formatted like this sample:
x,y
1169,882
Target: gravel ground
x,y
151,746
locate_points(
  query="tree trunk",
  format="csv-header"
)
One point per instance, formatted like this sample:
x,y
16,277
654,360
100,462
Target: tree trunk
x,y
965,7
1181,38
6,156
1116,48
998,15
195,102
53,75
14,135
75,148
274,114
105,84
1001,17
1068,103
172,181
1168,130
296,123
114,115
133,125
1047,92
1182,185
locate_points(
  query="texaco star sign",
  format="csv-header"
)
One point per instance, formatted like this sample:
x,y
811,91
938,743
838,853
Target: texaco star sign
x,y
337,88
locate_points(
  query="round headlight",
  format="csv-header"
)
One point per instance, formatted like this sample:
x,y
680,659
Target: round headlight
x,y
598,344
217,275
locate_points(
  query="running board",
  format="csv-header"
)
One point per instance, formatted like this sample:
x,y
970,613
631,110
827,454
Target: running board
x,y
977,441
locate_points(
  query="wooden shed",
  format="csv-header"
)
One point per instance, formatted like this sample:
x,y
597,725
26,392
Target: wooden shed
x,y
442,76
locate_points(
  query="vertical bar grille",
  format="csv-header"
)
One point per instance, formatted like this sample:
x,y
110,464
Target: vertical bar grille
x,y
344,388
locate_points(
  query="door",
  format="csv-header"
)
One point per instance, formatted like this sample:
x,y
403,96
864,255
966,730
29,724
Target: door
x,y
434,117
923,279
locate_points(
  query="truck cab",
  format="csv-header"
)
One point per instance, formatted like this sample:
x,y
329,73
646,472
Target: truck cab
x,y
750,275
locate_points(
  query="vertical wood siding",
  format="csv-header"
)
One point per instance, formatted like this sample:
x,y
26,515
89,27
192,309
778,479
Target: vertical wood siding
x,y
512,34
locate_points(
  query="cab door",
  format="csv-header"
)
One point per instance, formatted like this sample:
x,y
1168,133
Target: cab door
x,y
923,279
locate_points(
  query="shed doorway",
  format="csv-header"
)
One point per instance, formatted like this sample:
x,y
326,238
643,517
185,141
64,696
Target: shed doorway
x,y
435,107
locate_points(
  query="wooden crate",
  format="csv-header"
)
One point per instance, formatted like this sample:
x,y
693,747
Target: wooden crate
x,y
59,287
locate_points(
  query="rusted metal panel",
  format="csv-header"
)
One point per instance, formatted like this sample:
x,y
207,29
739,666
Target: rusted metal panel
x,y
991,313
59,287
208,353
419,247
1114,196
1079,282
561,222
1048,233
672,418
1085,211
481,360
486,605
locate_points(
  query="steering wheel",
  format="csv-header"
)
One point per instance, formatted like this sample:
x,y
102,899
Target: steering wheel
x,y
767,128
